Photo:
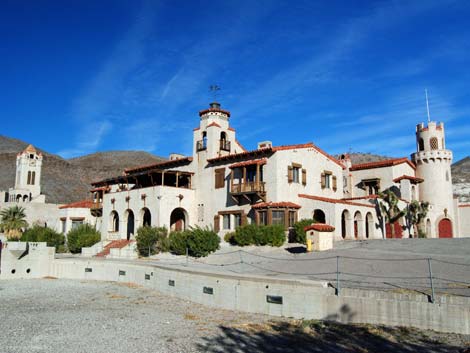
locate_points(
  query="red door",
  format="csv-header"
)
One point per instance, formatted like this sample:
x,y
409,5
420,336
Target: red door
x,y
445,228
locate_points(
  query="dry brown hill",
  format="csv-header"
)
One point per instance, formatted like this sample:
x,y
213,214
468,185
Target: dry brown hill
x,y
65,180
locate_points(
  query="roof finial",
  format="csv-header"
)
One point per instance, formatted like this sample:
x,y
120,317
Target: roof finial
x,y
214,89
427,104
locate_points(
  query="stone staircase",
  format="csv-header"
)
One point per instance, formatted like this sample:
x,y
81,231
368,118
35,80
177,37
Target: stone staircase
x,y
115,244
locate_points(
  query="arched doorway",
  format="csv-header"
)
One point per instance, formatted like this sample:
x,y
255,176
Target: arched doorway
x,y
25,198
18,198
130,224
178,219
358,225
114,221
445,228
146,217
345,219
319,216
369,225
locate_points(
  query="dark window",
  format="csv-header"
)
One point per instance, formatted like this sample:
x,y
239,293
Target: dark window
x,y
219,178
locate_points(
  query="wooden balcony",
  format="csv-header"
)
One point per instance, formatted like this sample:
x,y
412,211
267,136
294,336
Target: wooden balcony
x,y
96,209
201,145
250,190
224,145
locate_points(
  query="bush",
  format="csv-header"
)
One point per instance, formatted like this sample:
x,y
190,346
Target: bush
x,y
202,241
44,234
253,234
178,242
229,238
150,240
299,235
82,237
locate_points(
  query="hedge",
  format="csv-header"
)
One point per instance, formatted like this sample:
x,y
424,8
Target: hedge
x,y
83,236
44,234
252,234
151,240
198,241
299,235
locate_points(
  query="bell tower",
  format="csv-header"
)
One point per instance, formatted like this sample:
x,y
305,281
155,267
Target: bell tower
x,y
433,164
28,176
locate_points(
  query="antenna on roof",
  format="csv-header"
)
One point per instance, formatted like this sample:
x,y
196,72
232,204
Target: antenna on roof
x,y
427,104
214,89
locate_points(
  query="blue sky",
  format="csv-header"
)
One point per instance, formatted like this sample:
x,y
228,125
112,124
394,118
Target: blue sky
x,y
84,76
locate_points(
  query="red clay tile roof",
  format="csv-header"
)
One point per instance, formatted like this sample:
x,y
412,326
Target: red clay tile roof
x,y
78,204
329,200
250,162
259,151
414,180
214,110
196,128
213,124
164,164
284,204
231,129
382,164
320,227
465,205
361,197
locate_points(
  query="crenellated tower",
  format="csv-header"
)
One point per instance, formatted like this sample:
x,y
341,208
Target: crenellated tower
x,y
433,164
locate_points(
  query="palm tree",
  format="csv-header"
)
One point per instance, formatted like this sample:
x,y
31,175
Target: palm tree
x,y
13,220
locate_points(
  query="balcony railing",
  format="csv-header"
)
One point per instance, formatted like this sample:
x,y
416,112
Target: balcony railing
x,y
224,145
201,145
248,187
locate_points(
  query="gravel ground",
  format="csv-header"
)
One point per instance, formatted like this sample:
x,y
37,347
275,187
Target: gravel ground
x,y
49,315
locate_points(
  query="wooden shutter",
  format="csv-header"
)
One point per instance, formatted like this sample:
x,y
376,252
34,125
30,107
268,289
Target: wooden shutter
x,y
219,178
335,183
216,223
304,176
290,174
323,183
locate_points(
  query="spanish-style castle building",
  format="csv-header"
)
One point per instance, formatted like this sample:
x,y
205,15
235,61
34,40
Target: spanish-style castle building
x,y
223,185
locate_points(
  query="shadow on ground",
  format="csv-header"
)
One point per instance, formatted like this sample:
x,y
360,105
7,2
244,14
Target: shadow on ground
x,y
324,336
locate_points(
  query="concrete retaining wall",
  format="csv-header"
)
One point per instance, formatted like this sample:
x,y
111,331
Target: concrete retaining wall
x,y
300,299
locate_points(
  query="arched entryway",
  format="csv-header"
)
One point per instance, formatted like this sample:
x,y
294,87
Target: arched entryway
x,y
114,221
130,220
345,219
445,228
178,219
319,216
146,217
369,225
358,225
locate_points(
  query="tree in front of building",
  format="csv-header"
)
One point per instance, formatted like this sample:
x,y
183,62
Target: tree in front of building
x,y
13,221
389,207
415,214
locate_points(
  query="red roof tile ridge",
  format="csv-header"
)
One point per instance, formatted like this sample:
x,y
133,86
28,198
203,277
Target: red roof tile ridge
x,y
213,124
320,227
283,204
249,162
464,205
383,163
409,177
292,147
330,200
78,204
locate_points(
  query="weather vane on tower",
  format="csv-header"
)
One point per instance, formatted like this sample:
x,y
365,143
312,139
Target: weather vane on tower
x,y
214,90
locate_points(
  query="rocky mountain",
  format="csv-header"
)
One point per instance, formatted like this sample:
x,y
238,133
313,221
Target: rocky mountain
x,y
68,180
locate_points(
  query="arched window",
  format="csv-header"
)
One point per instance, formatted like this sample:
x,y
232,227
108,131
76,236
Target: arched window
x,y
204,139
114,218
223,136
33,177
434,143
28,182
421,144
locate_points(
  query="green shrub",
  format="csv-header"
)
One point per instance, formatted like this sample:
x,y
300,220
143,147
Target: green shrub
x,y
228,237
246,235
178,242
149,240
83,236
202,241
252,234
43,234
299,235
